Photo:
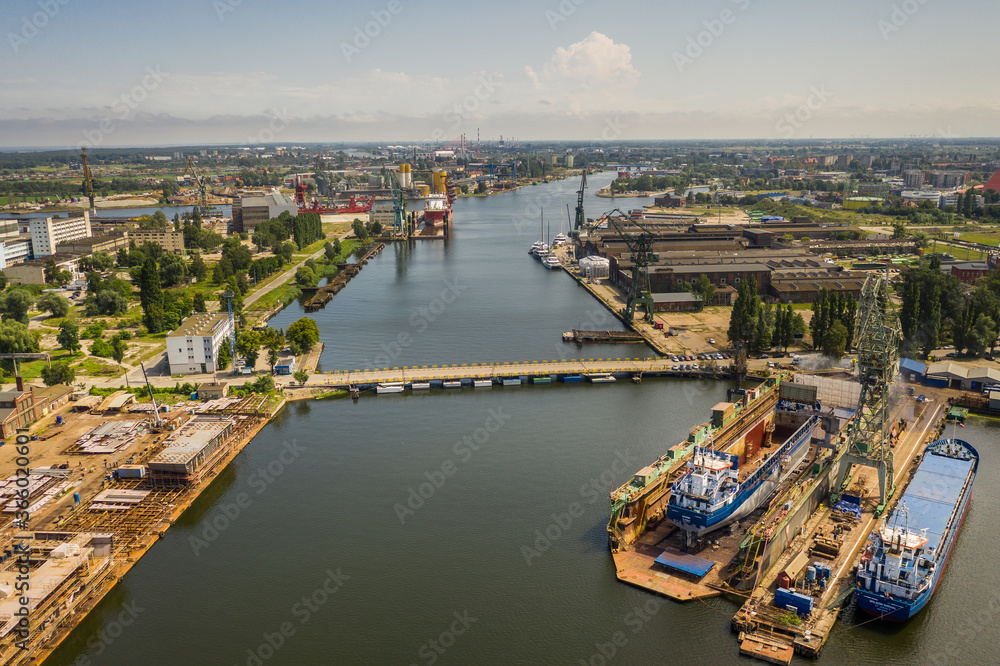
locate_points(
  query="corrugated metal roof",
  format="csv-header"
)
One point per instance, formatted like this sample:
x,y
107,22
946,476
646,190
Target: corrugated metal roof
x,y
679,561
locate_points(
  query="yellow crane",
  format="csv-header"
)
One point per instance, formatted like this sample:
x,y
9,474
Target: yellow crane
x,y
87,180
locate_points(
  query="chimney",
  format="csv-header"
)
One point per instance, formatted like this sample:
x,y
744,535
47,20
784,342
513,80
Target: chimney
x,y
20,383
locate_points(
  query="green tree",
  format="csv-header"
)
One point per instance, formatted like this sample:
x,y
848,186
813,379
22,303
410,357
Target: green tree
x,y
58,373
835,340
286,250
69,336
15,303
301,377
51,273
933,322
101,261
264,384
3,281
225,357
118,350
56,304
305,277
15,338
199,304
764,335
151,296
248,346
198,268
359,229
173,270
303,334
982,334
329,252
703,287
106,302
744,318
898,230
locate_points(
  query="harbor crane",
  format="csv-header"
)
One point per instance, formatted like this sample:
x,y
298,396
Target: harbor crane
x,y
641,248
229,296
87,180
580,218
202,182
399,228
878,340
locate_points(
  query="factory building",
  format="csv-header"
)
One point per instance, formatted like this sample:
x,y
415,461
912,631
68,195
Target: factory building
x,y
194,347
32,271
188,449
248,212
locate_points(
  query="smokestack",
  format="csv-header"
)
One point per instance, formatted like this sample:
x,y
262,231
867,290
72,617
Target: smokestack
x,y
20,383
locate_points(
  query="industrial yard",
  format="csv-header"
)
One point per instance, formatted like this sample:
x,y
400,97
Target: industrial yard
x,y
101,488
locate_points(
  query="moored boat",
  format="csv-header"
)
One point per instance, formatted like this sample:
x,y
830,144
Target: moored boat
x,y
600,378
452,383
390,387
907,553
552,262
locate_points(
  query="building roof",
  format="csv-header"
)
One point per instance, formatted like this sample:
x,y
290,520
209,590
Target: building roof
x,y
11,396
971,265
979,374
911,366
200,324
677,297
948,369
993,183
91,240
55,392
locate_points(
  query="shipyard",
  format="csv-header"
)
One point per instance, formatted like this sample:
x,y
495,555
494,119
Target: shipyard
x,y
517,334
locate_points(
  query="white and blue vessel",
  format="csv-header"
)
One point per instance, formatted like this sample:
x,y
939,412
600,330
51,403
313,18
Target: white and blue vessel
x,y
716,490
906,555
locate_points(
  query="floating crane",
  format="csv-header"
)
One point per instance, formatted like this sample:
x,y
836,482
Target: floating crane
x,y
879,335
641,248
87,181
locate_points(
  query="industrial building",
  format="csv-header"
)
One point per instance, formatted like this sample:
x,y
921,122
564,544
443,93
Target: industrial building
x,y
194,347
32,271
248,212
968,272
169,240
189,448
594,267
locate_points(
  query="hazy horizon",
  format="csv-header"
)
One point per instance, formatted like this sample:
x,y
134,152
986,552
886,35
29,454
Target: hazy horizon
x,y
243,71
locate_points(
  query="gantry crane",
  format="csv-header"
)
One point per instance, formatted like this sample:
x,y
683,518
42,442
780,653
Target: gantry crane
x,y
399,228
87,180
641,248
878,340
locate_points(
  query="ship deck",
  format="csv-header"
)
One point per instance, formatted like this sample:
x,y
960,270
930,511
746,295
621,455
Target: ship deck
x,y
778,438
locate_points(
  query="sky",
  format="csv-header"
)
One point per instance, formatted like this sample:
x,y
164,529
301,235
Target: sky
x,y
109,73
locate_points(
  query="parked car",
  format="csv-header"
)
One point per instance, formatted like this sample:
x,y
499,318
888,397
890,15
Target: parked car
x,y
760,356
711,341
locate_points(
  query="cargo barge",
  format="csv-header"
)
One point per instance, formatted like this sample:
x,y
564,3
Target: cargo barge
x,y
906,555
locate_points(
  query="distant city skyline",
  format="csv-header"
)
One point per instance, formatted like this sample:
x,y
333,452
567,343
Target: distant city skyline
x,y
109,73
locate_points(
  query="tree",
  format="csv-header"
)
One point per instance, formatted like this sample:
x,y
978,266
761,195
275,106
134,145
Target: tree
x,y
304,333
273,340
359,229
58,373
101,261
286,250
3,281
151,296
225,357
835,340
51,273
703,287
305,277
198,268
118,350
264,384
744,317
248,346
173,270
199,302
69,336
14,304
106,302
764,334
817,326
329,252
56,304
898,230
301,377
16,339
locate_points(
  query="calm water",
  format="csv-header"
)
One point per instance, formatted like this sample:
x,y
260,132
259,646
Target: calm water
x,y
466,574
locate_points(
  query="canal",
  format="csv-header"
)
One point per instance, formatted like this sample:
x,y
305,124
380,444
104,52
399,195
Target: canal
x,y
468,526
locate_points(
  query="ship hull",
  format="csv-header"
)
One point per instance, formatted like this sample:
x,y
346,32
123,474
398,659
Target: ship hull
x,y
893,608
748,499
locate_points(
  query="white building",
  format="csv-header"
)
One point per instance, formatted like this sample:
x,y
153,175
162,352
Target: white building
x,y
15,246
48,232
194,347
595,267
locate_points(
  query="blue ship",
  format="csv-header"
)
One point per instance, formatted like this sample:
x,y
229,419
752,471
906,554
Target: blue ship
x,y
711,494
906,555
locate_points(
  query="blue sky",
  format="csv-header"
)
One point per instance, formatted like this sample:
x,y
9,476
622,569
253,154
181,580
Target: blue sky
x,y
111,72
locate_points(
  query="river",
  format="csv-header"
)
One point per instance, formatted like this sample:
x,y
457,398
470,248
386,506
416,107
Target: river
x,y
468,526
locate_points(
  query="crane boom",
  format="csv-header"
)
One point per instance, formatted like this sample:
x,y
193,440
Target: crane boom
x,y
641,248
87,179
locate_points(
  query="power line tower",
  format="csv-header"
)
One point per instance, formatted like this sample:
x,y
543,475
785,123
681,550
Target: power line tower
x,y
232,329
641,247
878,340
580,219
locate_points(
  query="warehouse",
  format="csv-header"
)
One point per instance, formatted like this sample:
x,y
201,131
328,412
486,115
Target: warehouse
x,y
188,449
